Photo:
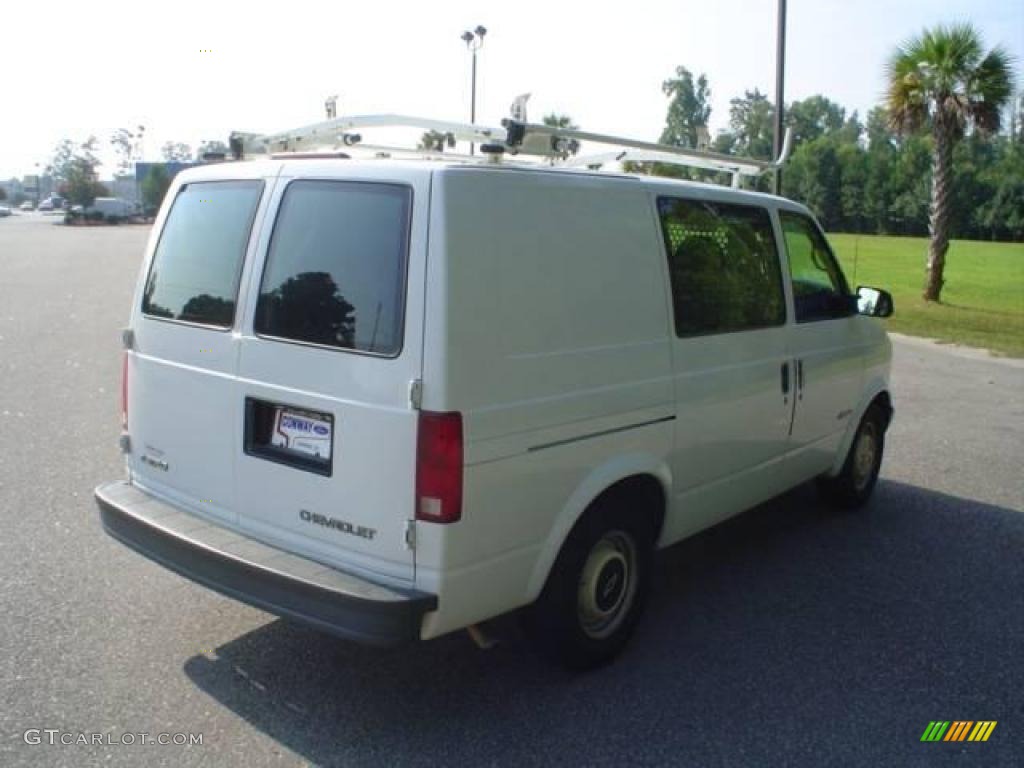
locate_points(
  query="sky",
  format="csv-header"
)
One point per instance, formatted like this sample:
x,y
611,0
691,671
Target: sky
x,y
190,71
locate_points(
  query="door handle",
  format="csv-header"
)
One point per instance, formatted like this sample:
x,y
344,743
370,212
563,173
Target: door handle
x,y
800,375
785,378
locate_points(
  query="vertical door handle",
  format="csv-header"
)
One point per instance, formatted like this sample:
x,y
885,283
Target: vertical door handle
x,y
785,378
800,375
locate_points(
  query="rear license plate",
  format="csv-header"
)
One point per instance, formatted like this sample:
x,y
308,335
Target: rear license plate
x,y
287,434
302,432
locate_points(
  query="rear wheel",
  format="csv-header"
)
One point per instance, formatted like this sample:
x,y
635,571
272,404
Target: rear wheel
x,y
852,487
595,594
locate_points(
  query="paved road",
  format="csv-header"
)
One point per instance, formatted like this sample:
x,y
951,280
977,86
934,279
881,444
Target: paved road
x,y
789,636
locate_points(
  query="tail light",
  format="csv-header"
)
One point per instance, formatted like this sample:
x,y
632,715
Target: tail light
x,y
124,391
439,467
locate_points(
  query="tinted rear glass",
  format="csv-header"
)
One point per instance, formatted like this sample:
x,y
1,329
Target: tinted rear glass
x,y
198,261
335,272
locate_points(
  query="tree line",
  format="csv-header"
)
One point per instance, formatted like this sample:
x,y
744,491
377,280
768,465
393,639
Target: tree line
x,y
74,166
858,175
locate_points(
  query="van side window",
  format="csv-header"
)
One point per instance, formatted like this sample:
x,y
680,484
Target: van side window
x,y
335,272
723,266
819,288
198,261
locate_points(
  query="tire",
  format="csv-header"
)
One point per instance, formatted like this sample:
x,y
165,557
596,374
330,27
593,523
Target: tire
x,y
596,591
852,487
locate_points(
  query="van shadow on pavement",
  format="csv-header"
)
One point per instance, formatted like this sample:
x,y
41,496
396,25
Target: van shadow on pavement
x,y
789,635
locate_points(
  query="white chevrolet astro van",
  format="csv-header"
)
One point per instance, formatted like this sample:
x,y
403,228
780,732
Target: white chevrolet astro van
x,y
395,399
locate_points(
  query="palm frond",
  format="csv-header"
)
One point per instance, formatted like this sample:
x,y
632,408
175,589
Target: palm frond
x,y
990,87
944,73
906,100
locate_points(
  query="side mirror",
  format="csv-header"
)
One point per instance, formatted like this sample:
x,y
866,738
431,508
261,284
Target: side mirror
x,y
874,302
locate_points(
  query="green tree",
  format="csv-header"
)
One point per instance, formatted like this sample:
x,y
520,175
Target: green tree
x,y
686,122
688,109
751,122
80,182
212,147
944,80
74,166
433,141
909,187
814,117
155,186
556,120
813,176
60,163
1001,214
880,151
752,128
853,178
123,142
176,152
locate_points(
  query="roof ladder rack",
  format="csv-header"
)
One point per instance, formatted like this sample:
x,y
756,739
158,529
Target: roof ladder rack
x,y
514,137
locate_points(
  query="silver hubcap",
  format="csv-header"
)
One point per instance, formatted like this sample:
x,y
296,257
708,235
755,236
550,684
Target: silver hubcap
x,y
607,584
864,453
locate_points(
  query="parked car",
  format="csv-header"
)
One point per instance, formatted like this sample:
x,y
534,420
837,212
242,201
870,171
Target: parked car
x,y
27,206
4,210
46,205
394,400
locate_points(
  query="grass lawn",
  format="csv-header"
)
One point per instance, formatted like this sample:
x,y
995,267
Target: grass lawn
x,y
982,300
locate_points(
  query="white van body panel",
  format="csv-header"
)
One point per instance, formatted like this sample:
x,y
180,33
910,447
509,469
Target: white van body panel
x,y
538,306
877,359
188,378
373,482
181,384
552,398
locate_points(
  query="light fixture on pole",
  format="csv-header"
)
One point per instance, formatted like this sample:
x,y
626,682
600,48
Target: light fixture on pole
x,y
474,41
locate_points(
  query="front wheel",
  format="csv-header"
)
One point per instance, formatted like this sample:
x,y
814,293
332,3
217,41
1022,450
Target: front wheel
x,y
852,487
596,591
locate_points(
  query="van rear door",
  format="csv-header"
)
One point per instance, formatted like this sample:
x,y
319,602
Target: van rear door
x,y
329,349
180,372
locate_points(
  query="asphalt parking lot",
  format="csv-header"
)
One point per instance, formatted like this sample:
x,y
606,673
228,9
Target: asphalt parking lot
x,y
788,636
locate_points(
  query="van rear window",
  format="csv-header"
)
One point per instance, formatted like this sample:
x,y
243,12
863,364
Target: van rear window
x,y
335,272
198,261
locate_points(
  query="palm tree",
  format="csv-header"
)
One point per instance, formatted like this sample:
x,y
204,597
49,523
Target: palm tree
x,y
944,80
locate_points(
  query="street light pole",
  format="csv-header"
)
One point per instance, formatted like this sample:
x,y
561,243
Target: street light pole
x,y
137,151
780,99
472,98
474,41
